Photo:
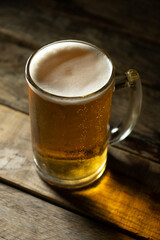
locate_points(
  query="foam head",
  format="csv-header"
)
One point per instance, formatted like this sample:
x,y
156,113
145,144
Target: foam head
x,y
70,69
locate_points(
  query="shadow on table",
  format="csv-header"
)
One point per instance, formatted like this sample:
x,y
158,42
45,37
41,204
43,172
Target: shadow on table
x,y
136,176
109,198
132,177
144,173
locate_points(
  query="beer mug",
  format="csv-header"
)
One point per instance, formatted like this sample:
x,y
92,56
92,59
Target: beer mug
x,y
70,87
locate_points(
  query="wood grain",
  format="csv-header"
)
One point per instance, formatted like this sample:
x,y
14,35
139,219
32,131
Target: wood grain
x,y
138,18
129,205
144,140
26,218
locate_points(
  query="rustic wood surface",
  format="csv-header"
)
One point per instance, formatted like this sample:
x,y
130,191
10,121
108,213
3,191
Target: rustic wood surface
x,y
24,211
138,18
115,198
128,194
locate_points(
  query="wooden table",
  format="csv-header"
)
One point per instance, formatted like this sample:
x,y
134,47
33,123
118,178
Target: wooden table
x,y
124,203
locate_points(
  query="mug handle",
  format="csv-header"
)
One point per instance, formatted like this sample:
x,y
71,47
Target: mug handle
x,y
133,82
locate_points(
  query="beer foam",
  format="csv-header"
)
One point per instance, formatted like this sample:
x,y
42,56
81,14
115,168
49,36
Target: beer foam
x,y
70,69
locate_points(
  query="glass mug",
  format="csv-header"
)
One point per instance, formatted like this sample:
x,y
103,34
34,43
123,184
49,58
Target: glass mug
x,y
70,128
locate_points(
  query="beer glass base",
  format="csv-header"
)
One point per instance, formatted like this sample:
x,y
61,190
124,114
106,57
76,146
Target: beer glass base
x,y
76,183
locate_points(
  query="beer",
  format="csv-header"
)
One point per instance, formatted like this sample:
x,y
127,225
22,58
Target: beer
x,y
70,111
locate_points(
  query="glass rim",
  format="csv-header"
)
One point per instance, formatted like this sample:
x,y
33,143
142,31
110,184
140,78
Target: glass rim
x,y
40,91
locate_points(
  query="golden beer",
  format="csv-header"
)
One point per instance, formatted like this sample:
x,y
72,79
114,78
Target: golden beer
x,y
69,134
70,140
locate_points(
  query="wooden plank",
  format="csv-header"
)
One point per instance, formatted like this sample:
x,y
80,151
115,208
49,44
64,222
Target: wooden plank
x,y
146,132
130,205
13,89
25,217
139,18
50,25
